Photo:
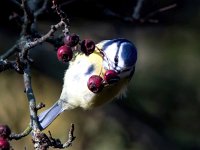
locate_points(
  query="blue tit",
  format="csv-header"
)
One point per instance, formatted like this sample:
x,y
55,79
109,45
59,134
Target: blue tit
x,y
119,55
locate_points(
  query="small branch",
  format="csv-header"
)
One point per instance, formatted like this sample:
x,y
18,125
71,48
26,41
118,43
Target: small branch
x,y
16,65
10,52
5,65
135,17
28,18
16,3
31,98
42,9
150,15
62,16
40,106
28,45
71,137
56,142
32,44
60,13
25,44
34,124
136,12
42,141
167,8
112,13
20,135
64,3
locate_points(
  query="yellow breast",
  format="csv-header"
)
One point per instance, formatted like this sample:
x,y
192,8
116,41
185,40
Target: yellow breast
x,y
109,92
75,90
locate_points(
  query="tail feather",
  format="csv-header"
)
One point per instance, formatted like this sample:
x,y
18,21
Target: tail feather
x,y
48,116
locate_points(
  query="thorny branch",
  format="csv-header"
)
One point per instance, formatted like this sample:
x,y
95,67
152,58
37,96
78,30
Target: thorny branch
x,y
29,38
42,141
22,65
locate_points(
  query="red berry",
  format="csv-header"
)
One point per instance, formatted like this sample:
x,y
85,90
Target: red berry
x,y
111,76
95,84
64,53
4,144
71,40
87,46
4,131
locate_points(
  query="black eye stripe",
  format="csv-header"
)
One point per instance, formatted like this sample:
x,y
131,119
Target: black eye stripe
x,y
116,59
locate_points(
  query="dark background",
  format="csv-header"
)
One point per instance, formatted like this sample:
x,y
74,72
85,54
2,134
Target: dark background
x,y
161,110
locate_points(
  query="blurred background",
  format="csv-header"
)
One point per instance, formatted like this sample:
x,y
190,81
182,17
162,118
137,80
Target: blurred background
x,y
162,107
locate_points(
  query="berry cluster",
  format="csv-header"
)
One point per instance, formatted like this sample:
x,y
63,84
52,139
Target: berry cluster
x,y
65,53
96,83
4,135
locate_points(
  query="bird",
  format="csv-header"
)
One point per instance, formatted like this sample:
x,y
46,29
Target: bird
x,y
93,80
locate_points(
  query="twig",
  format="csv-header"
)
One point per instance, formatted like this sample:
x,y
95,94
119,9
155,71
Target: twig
x,y
34,43
62,16
16,65
64,3
16,3
42,9
28,18
31,98
20,135
135,17
27,130
5,65
40,140
34,124
150,15
71,137
30,44
136,12
10,52
40,106
43,142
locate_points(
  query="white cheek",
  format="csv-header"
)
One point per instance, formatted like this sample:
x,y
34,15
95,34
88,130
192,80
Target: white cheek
x,y
110,52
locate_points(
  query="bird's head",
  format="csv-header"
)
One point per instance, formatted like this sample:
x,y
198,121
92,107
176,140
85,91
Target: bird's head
x,y
119,55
